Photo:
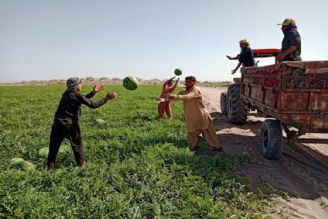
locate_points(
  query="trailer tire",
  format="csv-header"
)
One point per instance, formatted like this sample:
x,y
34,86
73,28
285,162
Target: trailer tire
x,y
224,103
271,139
237,112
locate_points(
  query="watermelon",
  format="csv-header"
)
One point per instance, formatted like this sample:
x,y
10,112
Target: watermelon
x,y
100,121
43,152
20,163
130,83
27,165
15,161
177,72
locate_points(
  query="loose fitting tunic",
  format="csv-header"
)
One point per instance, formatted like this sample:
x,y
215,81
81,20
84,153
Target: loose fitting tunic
x,y
196,114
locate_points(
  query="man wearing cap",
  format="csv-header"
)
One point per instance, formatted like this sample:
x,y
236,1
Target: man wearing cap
x,y
197,118
66,119
246,57
291,43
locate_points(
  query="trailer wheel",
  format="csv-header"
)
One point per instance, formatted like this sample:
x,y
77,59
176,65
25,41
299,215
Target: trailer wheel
x,y
271,139
224,103
237,112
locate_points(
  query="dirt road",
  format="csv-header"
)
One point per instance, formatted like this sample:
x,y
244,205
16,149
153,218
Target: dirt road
x,y
299,178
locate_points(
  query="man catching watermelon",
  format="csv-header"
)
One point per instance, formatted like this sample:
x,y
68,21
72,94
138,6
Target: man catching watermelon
x,y
66,121
197,118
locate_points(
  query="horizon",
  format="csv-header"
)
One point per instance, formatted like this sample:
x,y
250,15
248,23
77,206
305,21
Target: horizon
x,y
44,39
89,80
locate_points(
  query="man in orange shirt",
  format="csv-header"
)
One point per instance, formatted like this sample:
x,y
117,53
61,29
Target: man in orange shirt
x,y
164,104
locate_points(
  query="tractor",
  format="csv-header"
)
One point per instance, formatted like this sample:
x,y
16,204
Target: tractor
x,y
293,95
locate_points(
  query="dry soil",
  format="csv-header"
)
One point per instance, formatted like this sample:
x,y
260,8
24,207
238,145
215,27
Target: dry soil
x,y
299,179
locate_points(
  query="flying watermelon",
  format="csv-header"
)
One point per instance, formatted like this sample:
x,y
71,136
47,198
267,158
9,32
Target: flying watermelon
x,y
177,72
130,83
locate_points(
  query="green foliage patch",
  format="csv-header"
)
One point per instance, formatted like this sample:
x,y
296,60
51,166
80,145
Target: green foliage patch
x,y
137,165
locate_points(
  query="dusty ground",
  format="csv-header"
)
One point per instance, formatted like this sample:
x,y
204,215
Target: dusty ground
x,y
299,178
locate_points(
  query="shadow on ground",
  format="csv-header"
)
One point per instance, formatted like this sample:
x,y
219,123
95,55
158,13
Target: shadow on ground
x,y
300,171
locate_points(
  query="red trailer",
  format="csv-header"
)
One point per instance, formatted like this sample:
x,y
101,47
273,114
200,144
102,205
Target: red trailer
x,y
293,94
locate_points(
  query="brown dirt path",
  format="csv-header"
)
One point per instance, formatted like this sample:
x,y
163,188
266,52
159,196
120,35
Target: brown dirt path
x,y
299,178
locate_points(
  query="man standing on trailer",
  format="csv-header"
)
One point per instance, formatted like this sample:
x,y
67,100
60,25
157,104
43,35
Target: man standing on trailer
x,y
246,57
291,43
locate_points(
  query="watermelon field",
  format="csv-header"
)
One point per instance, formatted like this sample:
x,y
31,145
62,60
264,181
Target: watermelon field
x,y
137,165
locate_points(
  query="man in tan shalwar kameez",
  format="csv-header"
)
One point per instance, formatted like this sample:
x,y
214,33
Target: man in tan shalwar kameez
x,y
197,118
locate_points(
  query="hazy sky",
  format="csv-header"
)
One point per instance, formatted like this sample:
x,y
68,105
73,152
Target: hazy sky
x,y
57,39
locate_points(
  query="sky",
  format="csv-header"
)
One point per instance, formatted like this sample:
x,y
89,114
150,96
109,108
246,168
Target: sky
x,y
58,39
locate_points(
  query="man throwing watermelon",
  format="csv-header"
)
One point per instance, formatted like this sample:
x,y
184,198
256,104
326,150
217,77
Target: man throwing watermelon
x,y
66,121
245,58
164,104
197,118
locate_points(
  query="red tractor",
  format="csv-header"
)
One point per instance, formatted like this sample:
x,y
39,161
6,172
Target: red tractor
x,y
292,94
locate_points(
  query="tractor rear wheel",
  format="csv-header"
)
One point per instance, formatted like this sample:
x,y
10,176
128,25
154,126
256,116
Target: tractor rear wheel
x,y
237,112
271,139
224,103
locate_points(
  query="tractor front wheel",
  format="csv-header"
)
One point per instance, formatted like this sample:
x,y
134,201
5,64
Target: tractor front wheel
x,y
224,103
237,111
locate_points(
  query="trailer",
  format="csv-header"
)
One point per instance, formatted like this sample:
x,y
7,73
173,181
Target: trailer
x,y
293,94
